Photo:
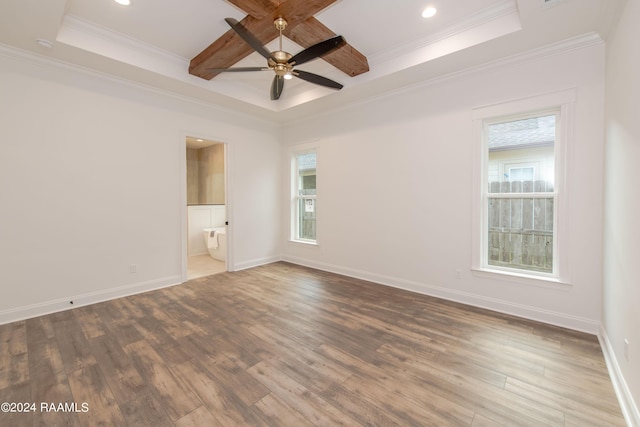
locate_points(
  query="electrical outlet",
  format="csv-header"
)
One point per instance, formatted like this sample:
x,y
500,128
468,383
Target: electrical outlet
x,y
133,268
458,274
626,349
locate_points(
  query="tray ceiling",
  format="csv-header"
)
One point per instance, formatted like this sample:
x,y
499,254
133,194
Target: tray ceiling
x,y
153,42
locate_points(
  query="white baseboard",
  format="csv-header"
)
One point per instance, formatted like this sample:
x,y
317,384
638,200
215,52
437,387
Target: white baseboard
x,y
61,304
520,310
255,263
48,307
627,404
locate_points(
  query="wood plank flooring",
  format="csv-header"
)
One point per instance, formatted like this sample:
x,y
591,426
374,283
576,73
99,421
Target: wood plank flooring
x,y
283,345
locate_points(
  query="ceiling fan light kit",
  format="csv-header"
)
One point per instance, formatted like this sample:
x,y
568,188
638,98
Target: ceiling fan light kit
x,y
283,63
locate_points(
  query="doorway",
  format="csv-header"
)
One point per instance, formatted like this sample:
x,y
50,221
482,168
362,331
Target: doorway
x,y
206,207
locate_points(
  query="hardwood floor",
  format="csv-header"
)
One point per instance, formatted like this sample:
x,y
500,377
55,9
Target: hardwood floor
x,y
284,345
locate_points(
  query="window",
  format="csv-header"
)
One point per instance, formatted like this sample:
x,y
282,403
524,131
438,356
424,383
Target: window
x,y
520,200
520,181
304,197
520,173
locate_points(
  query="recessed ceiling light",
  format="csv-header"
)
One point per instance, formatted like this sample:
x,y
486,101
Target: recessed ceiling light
x,y
429,12
199,140
123,2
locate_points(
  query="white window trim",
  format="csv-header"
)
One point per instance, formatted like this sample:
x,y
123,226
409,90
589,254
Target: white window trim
x,y
534,195
564,102
294,218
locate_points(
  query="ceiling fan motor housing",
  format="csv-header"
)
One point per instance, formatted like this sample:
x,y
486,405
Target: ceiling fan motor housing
x,y
281,66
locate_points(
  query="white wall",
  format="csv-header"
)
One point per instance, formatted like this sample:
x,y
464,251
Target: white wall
x,y
621,318
91,181
395,187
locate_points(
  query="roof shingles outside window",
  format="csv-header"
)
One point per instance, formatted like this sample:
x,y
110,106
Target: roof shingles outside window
x,y
536,131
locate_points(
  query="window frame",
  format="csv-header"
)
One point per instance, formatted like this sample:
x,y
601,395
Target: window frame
x,y
561,103
296,198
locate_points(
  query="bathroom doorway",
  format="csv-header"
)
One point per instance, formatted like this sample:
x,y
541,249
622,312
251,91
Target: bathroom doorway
x,y
206,207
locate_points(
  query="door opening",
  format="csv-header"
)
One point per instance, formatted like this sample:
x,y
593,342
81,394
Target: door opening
x,y
206,207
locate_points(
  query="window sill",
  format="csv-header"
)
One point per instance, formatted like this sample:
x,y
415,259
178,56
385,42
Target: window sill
x,y
521,278
304,242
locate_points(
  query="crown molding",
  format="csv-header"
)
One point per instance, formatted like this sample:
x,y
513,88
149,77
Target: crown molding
x,y
478,19
574,43
81,33
216,107
571,44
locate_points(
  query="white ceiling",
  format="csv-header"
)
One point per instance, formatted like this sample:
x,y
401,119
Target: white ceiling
x,y
152,42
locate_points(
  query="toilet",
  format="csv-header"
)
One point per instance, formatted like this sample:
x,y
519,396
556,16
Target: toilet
x,y
215,239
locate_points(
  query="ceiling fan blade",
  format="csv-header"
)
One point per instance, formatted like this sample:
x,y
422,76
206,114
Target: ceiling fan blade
x,y
319,80
248,37
238,69
317,50
276,87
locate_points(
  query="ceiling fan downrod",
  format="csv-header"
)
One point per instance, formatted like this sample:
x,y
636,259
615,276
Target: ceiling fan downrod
x,y
281,66
280,24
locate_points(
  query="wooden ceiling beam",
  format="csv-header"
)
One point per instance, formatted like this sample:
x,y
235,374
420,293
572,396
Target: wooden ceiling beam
x,y
256,8
347,59
230,48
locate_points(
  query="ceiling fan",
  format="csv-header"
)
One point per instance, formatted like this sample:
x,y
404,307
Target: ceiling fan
x,y
283,63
